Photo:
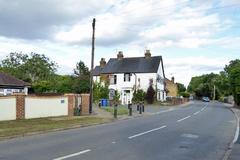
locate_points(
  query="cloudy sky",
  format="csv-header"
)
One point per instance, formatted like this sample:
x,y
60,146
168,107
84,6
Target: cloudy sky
x,y
193,36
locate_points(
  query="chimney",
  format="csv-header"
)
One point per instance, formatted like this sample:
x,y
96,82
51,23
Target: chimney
x,y
120,55
102,63
172,79
147,54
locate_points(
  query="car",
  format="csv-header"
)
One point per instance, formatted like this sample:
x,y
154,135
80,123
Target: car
x,y
205,99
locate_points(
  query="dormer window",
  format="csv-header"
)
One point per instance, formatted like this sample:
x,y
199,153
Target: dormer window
x,y
127,77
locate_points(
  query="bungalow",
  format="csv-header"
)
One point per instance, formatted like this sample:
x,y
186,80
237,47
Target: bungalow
x,y
129,74
10,85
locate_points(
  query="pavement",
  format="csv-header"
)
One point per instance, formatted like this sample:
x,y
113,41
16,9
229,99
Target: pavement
x,y
199,131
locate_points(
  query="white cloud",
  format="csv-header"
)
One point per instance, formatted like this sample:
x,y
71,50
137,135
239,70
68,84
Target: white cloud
x,y
185,68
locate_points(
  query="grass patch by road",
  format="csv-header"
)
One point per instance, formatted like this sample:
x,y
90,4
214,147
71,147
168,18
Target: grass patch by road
x,y
30,126
121,110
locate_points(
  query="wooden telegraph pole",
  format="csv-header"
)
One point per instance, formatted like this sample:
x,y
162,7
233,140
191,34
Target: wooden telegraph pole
x,y
92,64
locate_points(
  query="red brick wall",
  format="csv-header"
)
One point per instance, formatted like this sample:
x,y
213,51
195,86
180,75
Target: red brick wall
x,y
85,103
20,106
71,104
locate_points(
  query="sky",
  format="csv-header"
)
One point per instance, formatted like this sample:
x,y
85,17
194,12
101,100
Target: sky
x,y
194,37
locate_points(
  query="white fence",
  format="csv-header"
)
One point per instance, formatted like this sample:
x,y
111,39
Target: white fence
x,y
36,107
7,108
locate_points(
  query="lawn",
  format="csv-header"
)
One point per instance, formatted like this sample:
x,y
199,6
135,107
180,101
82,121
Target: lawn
x,y
30,126
121,110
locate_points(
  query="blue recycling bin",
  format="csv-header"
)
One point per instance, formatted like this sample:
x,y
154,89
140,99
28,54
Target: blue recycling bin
x,y
104,102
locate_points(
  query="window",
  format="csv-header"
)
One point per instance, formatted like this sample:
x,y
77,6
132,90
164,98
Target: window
x,y
113,79
127,77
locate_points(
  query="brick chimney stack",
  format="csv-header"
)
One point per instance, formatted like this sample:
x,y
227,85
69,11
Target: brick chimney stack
x,y
120,55
147,54
103,63
172,79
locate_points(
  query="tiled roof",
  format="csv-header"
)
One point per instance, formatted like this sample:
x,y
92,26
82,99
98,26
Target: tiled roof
x,y
132,65
8,80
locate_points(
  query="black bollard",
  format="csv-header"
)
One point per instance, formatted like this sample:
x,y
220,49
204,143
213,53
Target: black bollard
x,y
140,109
130,109
143,108
137,107
115,111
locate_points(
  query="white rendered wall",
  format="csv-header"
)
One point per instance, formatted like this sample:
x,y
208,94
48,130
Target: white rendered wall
x,y
7,108
36,107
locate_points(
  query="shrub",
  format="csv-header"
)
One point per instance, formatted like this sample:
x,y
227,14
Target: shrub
x,y
150,95
185,94
138,96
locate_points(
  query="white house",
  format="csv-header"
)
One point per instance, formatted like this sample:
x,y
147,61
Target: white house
x,y
131,73
10,85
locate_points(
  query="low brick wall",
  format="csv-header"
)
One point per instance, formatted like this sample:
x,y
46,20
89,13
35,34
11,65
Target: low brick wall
x,y
32,106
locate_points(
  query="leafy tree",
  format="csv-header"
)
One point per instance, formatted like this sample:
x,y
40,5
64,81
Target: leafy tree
x,y
38,67
116,98
150,95
13,63
63,84
184,94
100,91
32,68
204,85
181,87
42,86
233,73
81,82
138,96
81,70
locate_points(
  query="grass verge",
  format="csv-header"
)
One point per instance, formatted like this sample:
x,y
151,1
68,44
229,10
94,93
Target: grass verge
x,y
121,110
22,127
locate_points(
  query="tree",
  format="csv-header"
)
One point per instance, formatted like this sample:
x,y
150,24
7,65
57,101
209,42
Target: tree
x,y
150,93
204,85
181,87
81,70
13,63
138,96
31,68
100,91
233,73
82,78
38,67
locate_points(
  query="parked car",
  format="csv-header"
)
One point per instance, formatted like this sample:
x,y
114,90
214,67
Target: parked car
x,y
205,99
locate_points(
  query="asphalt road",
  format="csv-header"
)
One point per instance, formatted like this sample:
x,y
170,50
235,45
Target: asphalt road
x,y
200,131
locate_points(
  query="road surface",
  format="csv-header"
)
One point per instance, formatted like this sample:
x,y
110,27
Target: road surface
x,y
200,131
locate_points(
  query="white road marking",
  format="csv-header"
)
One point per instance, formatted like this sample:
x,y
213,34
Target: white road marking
x,y
168,110
72,155
196,113
113,142
183,119
152,130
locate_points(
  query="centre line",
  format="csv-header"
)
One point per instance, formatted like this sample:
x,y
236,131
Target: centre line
x,y
152,130
196,113
72,155
183,118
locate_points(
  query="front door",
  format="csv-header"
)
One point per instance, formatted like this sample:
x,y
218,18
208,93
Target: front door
x,y
126,97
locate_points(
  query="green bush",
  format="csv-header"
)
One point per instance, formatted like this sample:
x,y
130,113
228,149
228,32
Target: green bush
x,y
185,94
150,95
138,96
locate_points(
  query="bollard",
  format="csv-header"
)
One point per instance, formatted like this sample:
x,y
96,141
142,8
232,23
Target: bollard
x,y
130,109
143,107
137,107
115,111
140,109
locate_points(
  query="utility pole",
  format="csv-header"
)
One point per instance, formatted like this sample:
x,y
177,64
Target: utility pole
x,y
92,64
